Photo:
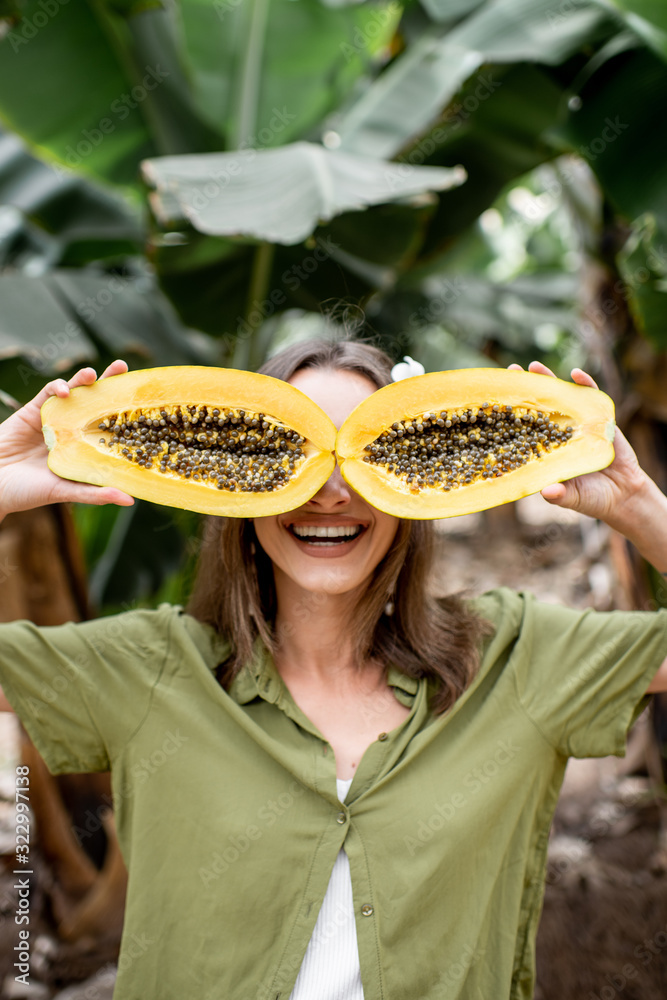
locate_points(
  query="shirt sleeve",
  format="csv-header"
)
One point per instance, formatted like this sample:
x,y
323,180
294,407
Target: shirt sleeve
x,y
581,676
82,690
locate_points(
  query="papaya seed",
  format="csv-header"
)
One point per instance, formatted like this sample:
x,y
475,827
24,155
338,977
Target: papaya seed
x,y
262,460
425,457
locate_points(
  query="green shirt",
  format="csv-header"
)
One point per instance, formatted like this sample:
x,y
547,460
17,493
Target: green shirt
x,y
227,811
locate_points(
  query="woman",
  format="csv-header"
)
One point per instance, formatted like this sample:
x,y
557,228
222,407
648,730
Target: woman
x,y
329,784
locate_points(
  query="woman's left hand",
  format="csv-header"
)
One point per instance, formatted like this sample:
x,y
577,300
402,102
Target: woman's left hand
x,y
603,494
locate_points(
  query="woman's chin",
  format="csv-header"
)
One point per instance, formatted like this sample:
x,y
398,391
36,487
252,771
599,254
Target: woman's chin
x,y
329,581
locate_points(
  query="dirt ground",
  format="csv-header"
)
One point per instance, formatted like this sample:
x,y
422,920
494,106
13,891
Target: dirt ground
x,y
603,932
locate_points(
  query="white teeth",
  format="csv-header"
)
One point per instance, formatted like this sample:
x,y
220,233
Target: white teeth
x,y
326,532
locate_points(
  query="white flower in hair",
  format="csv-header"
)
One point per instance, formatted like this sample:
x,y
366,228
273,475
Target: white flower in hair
x,y
406,369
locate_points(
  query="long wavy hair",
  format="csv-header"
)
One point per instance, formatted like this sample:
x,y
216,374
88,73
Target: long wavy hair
x,y
426,636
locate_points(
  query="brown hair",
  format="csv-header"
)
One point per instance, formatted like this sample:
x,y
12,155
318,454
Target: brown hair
x,y
426,636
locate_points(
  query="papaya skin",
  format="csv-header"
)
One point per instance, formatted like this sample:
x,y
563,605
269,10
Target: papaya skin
x,y
588,411
70,429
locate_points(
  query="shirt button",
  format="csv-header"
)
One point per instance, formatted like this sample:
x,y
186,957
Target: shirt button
x,y
383,736
341,818
367,910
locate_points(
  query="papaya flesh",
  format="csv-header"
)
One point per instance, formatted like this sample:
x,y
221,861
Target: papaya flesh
x,y
213,440
454,442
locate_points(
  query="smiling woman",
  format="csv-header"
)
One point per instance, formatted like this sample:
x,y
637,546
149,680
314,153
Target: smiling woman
x,y
257,578
366,772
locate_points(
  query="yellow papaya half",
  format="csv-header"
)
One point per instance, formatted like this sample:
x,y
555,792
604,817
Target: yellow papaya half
x,y
453,442
213,440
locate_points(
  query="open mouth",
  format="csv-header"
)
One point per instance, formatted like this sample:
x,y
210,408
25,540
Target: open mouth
x,y
326,536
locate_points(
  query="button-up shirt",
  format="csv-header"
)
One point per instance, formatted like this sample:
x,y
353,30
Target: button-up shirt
x,y
229,820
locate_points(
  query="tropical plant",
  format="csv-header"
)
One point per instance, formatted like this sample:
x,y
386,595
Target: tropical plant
x,y
301,153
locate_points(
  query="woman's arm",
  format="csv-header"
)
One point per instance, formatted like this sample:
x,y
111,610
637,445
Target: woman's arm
x,y
25,478
623,496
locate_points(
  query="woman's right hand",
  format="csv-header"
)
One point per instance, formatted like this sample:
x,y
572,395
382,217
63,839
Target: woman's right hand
x,y
25,478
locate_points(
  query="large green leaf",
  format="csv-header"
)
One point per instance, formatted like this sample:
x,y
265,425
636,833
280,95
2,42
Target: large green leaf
x,y
128,80
387,235
271,69
215,294
411,93
126,316
149,37
643,267
35,325
495,139
480,317
132,551
119,88
208,277
654,11
448,10
614,129
90,119
80,218
280,195
52,324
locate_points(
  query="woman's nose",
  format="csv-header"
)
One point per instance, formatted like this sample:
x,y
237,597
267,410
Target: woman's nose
x,y
335,491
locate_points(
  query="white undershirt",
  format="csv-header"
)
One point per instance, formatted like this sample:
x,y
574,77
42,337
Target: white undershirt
x,y
330,968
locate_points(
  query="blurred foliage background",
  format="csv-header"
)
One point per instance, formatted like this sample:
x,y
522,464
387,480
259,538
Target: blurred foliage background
x,y
197,182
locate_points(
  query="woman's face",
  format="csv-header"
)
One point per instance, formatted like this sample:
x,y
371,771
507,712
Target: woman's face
x,y
357,535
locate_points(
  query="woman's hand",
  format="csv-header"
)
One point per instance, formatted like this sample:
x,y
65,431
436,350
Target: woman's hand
x,y
25,479
608,494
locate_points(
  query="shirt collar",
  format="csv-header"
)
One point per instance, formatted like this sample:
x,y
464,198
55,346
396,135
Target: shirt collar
x,y
260,678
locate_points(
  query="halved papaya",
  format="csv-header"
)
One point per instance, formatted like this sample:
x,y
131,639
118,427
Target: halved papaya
x,y
453,442
213,440
223,441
